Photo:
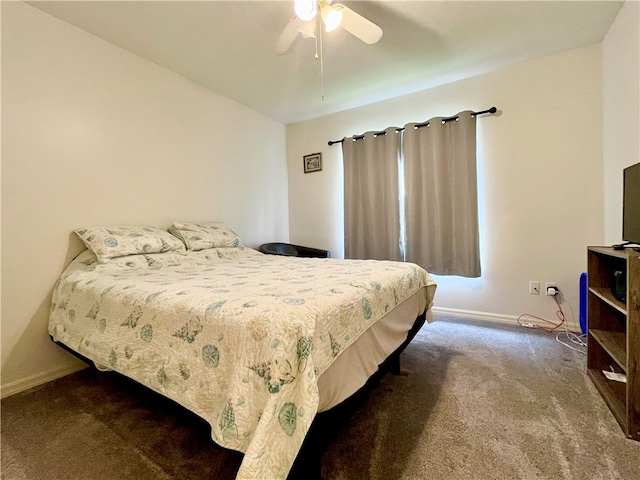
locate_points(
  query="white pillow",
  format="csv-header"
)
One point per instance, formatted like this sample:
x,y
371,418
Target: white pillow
x,y
199,236
112,242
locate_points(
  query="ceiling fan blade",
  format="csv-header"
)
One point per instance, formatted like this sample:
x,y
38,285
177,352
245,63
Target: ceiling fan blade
x,y
357,25
288,36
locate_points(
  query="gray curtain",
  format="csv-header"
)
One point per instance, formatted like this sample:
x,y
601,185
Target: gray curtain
x,y
371,196
441,197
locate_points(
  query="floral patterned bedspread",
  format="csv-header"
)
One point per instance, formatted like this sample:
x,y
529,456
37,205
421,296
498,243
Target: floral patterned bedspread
x,y
234,335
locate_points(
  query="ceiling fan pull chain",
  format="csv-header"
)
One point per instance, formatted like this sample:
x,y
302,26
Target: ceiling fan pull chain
x,y
315,38
321,62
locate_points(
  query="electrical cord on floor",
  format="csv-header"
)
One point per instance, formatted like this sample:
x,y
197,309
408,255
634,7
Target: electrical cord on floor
x,y
554,326
573,341
570,340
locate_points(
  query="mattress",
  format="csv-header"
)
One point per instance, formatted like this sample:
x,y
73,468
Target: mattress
x,y
241,338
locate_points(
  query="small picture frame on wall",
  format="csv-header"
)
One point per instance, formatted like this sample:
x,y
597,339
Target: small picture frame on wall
x,y
312,163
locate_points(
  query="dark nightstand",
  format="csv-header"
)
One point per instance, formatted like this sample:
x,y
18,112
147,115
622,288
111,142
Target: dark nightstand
x,y
290,250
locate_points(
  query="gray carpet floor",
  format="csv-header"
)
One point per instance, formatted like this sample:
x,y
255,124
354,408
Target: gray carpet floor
x,y
474,401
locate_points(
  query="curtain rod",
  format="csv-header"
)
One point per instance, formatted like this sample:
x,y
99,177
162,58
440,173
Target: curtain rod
x,y
491,110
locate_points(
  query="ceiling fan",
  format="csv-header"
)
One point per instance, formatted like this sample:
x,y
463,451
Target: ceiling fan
x,y
311,14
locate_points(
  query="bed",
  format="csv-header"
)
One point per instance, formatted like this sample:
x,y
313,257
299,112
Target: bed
x,y
255,344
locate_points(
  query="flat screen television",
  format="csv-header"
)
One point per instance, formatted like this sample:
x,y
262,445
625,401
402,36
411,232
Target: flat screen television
x,y
631,204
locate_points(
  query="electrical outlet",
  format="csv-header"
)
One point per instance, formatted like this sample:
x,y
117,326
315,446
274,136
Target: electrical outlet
x,y
548,285
534,288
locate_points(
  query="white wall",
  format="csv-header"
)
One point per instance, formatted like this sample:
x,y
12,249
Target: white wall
x,y
621,114
541,191
93,135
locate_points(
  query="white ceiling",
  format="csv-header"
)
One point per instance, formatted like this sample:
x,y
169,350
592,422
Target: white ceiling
x,y
228,46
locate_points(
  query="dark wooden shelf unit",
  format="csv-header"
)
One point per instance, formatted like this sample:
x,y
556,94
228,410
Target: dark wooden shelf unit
x,y
613,337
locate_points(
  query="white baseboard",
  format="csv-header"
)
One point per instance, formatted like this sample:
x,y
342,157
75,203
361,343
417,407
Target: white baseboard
x,y
36,380
489,317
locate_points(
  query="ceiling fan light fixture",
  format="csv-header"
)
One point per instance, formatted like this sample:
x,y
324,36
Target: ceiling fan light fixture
x,y
306,9
331,17
308,30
